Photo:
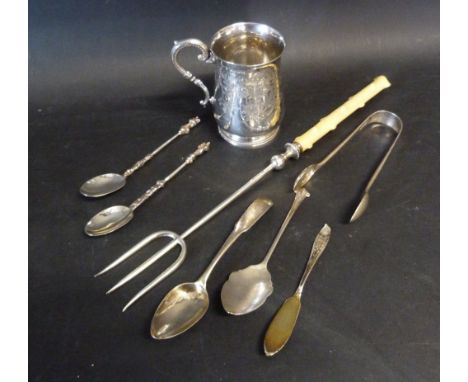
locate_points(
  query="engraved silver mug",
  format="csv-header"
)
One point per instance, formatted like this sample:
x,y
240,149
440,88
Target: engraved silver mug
x,y
247,99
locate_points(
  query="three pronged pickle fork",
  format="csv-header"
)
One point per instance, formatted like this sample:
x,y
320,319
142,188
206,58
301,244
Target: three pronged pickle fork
x,y
115,217
282,325
106,184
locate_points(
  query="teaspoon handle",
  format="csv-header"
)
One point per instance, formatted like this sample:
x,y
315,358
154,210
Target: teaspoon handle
x,y
233,236
184,129
301,195
249,218
202,148
320,243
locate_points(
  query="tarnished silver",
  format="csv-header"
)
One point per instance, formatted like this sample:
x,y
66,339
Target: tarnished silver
x,y
379,118
106,184
247,100
277,162
187,303
281,327
115,217
247,289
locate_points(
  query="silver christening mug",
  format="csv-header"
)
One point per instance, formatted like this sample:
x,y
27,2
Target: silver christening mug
x,y
247,100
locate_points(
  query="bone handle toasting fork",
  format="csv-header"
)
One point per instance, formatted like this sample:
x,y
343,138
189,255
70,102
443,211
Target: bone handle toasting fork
x,y
277,162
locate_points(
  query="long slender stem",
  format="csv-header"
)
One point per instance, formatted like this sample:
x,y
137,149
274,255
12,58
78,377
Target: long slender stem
x,y
202,148
233,236
139,164
318,247
300,196
184,129
228,200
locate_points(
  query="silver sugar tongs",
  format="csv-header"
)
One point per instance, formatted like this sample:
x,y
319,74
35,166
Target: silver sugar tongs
x,y
379,118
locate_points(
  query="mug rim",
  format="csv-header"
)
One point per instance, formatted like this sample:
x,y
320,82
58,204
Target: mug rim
x,y
271,31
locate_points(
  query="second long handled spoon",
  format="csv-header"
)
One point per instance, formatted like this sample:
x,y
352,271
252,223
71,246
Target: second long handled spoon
x,y
187,303
282,325
115,217
247,289
106,184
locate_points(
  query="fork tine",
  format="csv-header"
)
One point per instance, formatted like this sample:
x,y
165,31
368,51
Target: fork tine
x,y
129,253
177,240
169,270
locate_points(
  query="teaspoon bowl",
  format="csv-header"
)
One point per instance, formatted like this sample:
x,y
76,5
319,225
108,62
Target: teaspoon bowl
x,y
108,220
180,309
102,185
246,290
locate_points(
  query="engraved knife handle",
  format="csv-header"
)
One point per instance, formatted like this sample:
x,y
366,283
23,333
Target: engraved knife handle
x,y
320,243
201,149
205,56
184,129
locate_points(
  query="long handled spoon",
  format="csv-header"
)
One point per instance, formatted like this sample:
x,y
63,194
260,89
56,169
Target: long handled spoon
x,y
187,303
282,325
247,289
106,184
115,217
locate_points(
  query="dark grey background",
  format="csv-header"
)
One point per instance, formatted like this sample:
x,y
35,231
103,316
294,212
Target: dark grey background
x,y
103,92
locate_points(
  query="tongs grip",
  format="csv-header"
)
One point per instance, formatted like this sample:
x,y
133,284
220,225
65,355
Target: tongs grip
x,y
329,122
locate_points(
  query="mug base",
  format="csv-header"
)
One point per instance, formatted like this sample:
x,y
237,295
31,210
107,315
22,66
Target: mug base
x,y
251,142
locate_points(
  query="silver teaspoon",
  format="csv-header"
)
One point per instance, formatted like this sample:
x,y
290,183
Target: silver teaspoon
x,y
106,184
115,217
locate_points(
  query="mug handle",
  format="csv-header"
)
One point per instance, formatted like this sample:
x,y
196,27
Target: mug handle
x,y
204,56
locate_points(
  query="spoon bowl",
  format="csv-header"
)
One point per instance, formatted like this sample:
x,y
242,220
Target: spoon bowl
x,y
108,220
304,177
246,290
101,185
180,309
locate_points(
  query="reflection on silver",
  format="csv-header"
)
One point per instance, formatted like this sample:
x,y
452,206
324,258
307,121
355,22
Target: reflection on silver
x,y
247,100
187,303
246,290
240,296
